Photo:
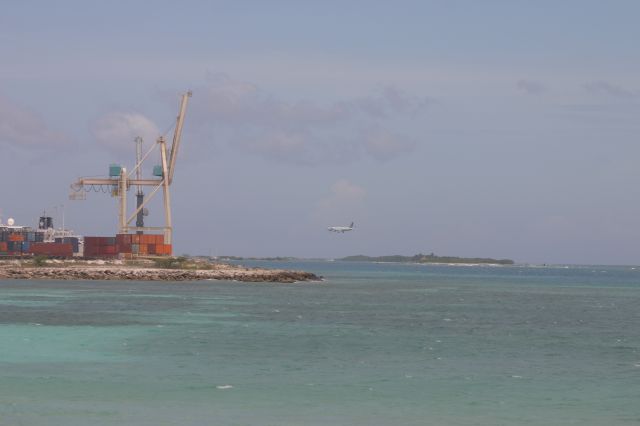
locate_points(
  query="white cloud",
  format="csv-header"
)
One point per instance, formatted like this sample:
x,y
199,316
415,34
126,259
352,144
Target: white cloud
x,y
344,202
117,130
345,191
22,127
303,131
384,145
608,89
531,87
391,101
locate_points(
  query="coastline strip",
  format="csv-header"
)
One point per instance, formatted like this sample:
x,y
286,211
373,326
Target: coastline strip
x,y
223,272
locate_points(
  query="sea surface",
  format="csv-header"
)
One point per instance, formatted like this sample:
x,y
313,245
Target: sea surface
x,y
373,344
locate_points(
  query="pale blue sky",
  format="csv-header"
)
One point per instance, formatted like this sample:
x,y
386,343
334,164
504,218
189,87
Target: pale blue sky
x,y
471,128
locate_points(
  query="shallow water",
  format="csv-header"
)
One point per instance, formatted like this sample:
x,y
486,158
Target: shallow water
x,y
374,344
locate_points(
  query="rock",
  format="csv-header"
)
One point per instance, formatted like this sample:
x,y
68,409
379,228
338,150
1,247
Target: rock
x,y
117,272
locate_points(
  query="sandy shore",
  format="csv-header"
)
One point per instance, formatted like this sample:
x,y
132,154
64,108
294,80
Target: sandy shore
x,y
123,272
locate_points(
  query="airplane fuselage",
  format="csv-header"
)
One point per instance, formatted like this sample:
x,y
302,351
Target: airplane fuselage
x,y
341,229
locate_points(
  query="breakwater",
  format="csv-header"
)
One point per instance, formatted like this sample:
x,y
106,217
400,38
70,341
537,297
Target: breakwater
x,y
114,272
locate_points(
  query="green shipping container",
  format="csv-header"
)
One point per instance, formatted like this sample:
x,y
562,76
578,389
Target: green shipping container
x,y
114,170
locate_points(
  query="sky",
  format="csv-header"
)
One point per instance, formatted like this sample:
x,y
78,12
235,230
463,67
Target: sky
x,y
505,129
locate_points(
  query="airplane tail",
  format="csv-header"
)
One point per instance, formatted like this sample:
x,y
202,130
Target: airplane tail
x,y
351,226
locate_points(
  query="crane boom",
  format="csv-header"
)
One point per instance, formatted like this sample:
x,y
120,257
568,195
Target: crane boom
x,y
178,135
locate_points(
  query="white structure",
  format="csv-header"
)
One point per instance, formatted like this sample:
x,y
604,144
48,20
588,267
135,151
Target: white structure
x,y
121,180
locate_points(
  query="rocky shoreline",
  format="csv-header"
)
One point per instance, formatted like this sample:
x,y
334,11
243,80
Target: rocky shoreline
x,y
123,273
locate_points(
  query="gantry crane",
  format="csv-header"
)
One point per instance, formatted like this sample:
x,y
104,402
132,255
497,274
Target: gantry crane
x,y
120,181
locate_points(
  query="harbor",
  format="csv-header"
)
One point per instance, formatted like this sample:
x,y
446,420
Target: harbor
x,y
137,251
130,240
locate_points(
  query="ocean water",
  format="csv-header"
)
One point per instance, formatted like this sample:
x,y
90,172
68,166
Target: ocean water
x,y
374,344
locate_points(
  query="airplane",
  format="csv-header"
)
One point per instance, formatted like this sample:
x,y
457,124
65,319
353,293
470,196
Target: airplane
x,y
341,229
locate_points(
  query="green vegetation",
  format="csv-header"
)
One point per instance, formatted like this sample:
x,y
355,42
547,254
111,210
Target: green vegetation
x,y
170,262
182,262
271,259
40,260
428,258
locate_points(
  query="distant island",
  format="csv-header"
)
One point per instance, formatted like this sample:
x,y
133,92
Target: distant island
x,y
428,258
418,258
268,259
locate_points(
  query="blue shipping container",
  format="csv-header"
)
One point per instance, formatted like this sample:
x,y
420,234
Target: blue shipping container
x,y
75,244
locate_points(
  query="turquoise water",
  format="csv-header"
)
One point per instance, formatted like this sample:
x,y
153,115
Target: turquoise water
x,y
374,344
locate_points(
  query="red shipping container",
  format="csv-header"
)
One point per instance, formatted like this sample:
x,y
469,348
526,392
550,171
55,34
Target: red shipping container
x,y
123,248
52,249
108,250
91,242
3,246
135,239
151,248
159,239
16,237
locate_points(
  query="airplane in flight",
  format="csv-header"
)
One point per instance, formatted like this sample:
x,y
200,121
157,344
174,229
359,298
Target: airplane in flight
x,y
341,229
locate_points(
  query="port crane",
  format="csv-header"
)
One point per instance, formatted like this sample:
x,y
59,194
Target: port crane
x,y
120,181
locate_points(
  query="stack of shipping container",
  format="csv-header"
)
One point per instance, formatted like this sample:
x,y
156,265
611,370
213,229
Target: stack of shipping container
x,y
27,242
143,244
100,247
52,249
18,241
127,245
